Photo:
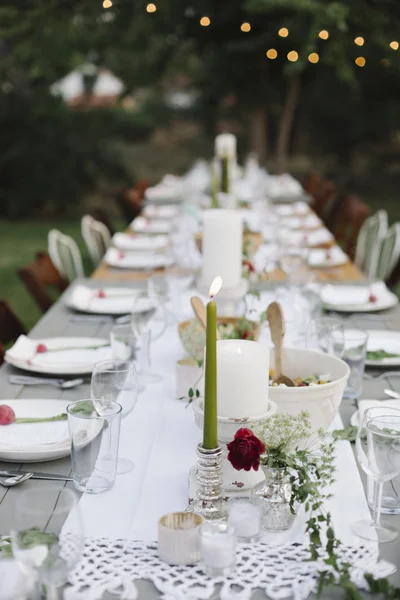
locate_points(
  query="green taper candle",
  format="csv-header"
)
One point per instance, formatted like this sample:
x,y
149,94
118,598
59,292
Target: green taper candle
x,y
225,174
210,440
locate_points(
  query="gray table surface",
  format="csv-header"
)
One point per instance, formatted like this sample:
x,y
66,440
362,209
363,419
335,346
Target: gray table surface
x,y
58,322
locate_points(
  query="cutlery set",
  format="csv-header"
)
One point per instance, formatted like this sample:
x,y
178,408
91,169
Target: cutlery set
x,y
14,478
63,384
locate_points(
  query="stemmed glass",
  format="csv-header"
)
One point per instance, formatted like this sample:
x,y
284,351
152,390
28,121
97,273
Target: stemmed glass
x,y
327,335
378,453
115,381
47,550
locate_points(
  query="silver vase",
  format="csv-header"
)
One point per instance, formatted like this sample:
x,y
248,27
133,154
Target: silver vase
x,y
275,493
209,502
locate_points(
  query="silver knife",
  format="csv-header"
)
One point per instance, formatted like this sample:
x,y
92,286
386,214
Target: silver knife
x,y
36,475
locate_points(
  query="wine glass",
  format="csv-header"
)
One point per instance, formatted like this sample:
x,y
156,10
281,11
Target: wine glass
x,y
115,381
327,335
378,453
46,549
148,312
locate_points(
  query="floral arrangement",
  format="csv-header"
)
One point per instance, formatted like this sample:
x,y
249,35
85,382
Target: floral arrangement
x,y
287,442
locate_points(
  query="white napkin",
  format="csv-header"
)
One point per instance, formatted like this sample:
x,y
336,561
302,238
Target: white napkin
x,y
142,225
161,211
283,185
351,295
296,209
124,241
332,257
116,258
364,405
24,350
14,583
116,300
318,237
34,434
309,222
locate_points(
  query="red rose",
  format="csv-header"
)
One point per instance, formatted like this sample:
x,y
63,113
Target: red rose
x,y
248,264
245,451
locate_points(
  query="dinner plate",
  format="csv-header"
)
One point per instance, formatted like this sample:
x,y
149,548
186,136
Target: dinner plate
x,y
320,258
384,298
160,212
74,359
140,243
35,442
355,417
104,301
130,260
142,225
384,340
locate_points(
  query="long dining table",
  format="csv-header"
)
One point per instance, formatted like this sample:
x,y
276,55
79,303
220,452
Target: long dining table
x,y
59,321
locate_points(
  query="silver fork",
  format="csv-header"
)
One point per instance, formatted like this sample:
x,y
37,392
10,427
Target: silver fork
x,y
15,480
64,384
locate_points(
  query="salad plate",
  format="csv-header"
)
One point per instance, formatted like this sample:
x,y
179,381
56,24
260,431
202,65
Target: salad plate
x,y
383,348
104,301
358,298
58,355
130,260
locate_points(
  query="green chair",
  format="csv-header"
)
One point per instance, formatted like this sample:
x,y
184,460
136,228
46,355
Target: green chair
x,y
389,253
65,254
369,242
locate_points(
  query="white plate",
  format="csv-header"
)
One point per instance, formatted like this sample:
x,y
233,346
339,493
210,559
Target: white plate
x,y
320,258
25,449
162,211
142,225
107,301
385,299
355,417
140,243
127,260
68,362
384,340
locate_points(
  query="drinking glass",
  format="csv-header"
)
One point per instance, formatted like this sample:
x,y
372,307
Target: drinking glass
x,y
354,354
115,381
327,335
148,312
124,343
47,549
390,504
378,453
94,445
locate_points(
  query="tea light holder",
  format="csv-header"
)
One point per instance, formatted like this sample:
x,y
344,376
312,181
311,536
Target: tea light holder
x,y
209,502
245,516
218,549
179,539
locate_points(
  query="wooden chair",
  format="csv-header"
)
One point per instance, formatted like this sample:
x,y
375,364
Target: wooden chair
x,y
10,327
97,238
352,213
311,183
65,254
322,196
130,203
40,276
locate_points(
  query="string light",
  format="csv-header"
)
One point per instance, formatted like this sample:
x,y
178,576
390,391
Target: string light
x,y
293,56
205,21
245,27
359,41
283,32
394,45
324,34
360,61
271,53
107,4
313,58
151,8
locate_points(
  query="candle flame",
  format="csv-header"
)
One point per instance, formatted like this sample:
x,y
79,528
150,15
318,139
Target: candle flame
x,y
215,286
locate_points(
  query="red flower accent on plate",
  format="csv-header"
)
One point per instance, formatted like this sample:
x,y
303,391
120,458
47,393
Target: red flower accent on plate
x,y
328,255
101,294
7,415
41,348
245,450
121,255
372,298
248,264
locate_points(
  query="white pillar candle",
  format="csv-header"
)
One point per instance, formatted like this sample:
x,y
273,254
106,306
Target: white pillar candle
x,y
222,247
242,378
218,547
245,518
225,146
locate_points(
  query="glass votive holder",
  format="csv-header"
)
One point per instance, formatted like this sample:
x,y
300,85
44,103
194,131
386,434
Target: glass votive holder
x,y
178,538
218,548
244,515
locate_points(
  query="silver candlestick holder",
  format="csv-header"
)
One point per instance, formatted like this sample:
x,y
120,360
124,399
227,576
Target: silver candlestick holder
x,y
209,503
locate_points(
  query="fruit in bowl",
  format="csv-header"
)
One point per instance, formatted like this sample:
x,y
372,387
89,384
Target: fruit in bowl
x,y
193,336
321,399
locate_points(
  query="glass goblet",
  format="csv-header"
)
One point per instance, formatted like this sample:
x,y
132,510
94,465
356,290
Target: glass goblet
x,y
378,453
327,335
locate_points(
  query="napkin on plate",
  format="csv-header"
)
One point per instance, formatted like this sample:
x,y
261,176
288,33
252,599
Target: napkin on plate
x,y
140,224
35,434
130,260
25,351
124,241
352,295
318,237
320,256
115,300
161,212
364,405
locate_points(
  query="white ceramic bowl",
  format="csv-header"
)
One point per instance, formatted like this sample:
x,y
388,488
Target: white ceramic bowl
x,y
228,426
321,401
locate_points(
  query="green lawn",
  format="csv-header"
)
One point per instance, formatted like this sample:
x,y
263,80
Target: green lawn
x,y
19,240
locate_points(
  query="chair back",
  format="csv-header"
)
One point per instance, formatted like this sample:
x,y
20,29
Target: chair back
x,y
311,183
10,327
130,203
96,236
322,196
65,254
369,241
101,215
352,213
389,253
40,276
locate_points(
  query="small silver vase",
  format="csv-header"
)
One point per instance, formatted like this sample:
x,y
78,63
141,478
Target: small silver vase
x,y
275,493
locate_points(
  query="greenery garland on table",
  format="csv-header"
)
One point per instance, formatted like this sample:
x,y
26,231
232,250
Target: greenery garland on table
x,y
275,443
